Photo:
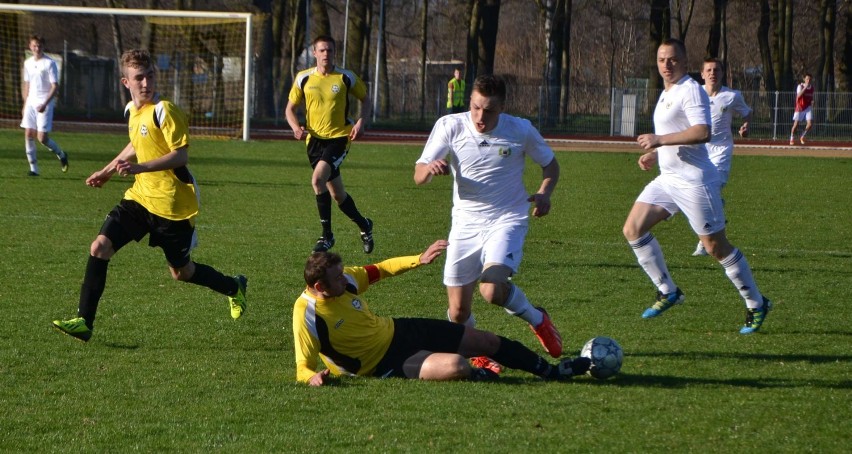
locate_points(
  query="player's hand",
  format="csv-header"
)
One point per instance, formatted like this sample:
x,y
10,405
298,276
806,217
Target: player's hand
x,y
648,141
298,134
127,168
357,130
648,160
319,379
98,179
433,251
542,204
744,130
40,108
438,167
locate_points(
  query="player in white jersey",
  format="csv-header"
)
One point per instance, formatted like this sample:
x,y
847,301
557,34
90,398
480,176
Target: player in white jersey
x,y
40,83
688,182
724,103
804,109
490,217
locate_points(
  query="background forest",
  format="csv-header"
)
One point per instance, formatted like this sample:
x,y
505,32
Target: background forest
x,y
557,49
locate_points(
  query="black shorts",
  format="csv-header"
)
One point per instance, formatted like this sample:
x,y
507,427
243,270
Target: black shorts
x,y
411,335
332,151
131,221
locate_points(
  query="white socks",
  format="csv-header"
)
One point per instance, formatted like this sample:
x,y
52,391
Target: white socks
x,y
30,147
738,271
518,305
650,256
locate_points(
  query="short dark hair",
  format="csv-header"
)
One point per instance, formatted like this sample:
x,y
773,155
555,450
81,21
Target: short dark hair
x,y
136,58
324,39
679,46
713,60
808,75
35,37
490,85
317,265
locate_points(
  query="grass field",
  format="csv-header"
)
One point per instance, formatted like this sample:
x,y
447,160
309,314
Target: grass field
x,y
168,370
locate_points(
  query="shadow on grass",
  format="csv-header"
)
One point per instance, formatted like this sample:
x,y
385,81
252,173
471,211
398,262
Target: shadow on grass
x,y
672,381
813,359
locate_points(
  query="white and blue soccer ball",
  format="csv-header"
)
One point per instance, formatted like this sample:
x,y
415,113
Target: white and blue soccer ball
x,y
606,356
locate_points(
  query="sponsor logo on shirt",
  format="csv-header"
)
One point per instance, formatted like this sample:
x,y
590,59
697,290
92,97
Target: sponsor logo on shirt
x,y
356,303
335,88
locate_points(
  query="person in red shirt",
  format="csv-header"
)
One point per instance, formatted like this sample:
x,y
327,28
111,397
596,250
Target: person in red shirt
x,y
804,104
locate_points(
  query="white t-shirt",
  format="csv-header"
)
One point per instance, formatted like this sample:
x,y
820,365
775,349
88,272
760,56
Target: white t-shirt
x,y
487,168
40,75
682,106
722,108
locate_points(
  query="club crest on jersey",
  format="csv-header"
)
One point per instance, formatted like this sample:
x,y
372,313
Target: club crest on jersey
x,y
335,88
143,130
504,152
356,303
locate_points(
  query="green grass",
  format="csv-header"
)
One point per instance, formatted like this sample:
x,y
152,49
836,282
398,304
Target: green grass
x,y
168,370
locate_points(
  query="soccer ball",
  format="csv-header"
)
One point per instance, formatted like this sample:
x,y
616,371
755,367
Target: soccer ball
x,y
606,356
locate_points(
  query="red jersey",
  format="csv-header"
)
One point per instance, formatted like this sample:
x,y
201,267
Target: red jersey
x,y
804,97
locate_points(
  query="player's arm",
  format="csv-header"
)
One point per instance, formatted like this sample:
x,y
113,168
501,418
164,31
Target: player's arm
x,y
744,128
360,125
423,173
694,134
100,177
396,266
549,178
172,160
293,120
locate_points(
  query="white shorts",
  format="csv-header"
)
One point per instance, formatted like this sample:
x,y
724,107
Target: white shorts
x,y
702,205
805,115
40,121
473,243
720,156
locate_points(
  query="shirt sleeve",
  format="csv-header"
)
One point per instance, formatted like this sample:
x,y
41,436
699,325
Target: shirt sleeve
x,y
53,73
696,106
535,146
438,145
296,94
306,346
370,274
174,124
739,105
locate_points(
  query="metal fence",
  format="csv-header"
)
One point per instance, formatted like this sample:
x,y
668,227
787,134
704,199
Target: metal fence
x,y
601,111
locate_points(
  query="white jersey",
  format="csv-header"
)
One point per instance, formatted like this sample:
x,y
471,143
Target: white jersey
x,y
487,168
723,105
40,75
682,106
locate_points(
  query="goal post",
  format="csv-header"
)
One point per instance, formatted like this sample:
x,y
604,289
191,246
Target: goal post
x,y
204,60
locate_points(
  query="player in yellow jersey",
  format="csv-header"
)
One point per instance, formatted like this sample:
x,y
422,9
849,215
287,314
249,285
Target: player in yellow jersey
x,y
332,321
162,203
325,91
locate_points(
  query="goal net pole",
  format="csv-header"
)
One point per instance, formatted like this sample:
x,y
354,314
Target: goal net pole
x,y
247,17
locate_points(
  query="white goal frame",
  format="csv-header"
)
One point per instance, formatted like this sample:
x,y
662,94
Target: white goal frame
x,y
247,17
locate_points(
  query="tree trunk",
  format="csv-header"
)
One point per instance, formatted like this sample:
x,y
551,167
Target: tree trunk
x,y
149,29
765,47
825,68
788,82
424,37
565,93
263,69
844,66
472,53
660,22
320,23
117,46
297,35
554,29
490,10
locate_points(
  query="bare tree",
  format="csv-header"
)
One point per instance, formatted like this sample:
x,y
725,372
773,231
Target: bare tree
x,y
482,37
424,39
766,53
827,23
718,32
660,23
844,66
683,10
555,29
117,46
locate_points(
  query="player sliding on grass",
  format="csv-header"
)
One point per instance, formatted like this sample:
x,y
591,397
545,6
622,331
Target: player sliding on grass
x,y
162,202
332,320
485,151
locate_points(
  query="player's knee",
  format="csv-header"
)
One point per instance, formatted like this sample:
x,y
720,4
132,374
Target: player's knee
x,y
458,314
101,248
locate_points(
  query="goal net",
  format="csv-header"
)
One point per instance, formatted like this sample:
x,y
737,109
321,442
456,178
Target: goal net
x,y
201,59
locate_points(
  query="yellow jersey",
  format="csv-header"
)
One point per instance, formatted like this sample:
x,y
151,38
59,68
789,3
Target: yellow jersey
x,y
341,330
155,130
326,99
